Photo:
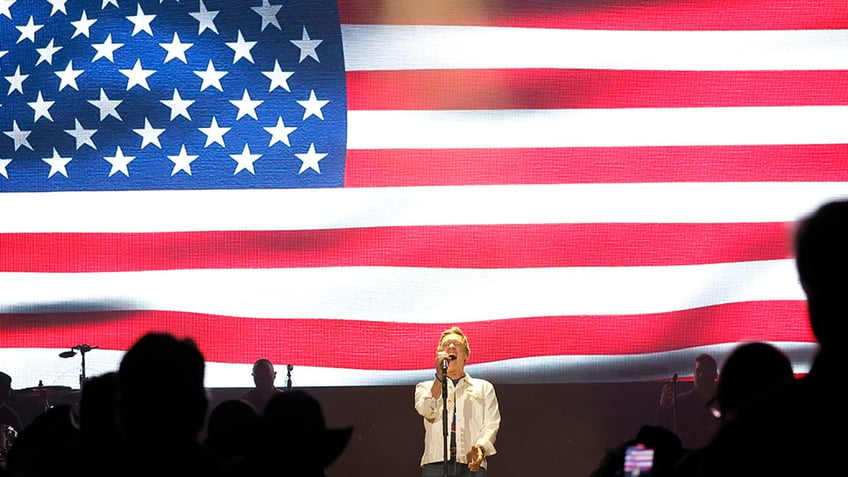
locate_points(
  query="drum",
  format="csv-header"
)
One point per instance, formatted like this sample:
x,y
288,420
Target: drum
x,y
8,434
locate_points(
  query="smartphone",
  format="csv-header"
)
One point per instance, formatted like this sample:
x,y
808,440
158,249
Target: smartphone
x,y
638,461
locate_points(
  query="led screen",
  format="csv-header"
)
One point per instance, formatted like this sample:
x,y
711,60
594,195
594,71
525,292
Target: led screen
x,y
592,191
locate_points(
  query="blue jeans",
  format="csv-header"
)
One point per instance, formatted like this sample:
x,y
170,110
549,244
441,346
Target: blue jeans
x,y
455,469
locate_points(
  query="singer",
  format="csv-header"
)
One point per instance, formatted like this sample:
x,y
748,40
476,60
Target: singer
x,y
473,417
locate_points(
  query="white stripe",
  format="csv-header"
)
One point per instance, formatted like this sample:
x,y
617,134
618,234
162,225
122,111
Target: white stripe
x,y
383,47
28,366
405,294
597,127
298,209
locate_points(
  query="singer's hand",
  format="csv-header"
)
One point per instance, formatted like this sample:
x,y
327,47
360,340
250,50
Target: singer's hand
x,y
474,458
665,396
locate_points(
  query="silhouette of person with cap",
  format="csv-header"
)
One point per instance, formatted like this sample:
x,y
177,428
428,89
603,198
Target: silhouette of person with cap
x,y
295,439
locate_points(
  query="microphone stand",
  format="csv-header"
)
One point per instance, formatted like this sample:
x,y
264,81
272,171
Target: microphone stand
x,y
288,377
445,411
674,401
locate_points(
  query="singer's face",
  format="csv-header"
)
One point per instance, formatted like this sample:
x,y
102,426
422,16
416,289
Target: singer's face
x,y
453,344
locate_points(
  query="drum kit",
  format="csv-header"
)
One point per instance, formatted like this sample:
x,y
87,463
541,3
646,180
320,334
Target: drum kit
x,y
46,396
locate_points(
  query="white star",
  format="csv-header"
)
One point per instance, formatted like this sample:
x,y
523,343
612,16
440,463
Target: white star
x,y
149,134
3,52
137,76
307,47
205,19
141,22
245,160
313,105
3,164
5,5
182,161
178,105
241,48
310,159
107,107
57,164
246,106
108,2
106,49
69,76
46,53
41,108
278,77
82,26
16,81
269,14
214,133
211,77
83,136
20,137
28,31
176,49
119,162
58,6
280,132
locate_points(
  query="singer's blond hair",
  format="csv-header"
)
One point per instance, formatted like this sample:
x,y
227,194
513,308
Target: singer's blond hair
x,y
455,331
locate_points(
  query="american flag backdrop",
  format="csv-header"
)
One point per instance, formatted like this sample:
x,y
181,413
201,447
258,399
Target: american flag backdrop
x,y
595,191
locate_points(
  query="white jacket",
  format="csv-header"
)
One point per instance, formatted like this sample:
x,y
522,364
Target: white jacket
x,y
477,418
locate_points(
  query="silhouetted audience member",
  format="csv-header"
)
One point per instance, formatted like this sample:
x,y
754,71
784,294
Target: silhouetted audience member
x,y
667,447
47,447
231,434
295,439
750,372
162,407
688,413
264,390
100,434
799,429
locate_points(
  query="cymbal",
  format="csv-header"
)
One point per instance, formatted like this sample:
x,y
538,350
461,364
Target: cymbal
x,y
41,391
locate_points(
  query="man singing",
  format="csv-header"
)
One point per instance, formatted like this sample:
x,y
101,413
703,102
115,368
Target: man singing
x,y
472,413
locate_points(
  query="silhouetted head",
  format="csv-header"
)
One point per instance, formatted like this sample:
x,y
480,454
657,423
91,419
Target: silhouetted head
x,y
161,395
5,387
295,428
231,429
264,374
751,370
99,406
821,257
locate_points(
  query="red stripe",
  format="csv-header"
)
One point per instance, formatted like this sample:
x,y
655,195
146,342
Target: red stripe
x,y
608,15
471,246
589,165
570,89
399,346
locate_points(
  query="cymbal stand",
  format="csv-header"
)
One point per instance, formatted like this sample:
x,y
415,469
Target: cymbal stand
x,y
83,349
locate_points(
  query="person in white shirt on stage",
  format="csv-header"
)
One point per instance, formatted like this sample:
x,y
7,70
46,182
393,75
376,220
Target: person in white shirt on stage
x,y
473,416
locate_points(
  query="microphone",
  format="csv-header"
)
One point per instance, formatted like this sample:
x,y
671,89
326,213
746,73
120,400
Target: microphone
x,y
447,360
674,378
67,354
